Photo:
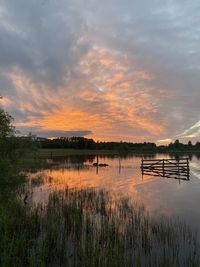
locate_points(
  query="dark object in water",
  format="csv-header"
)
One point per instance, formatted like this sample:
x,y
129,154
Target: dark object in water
x,y
100,164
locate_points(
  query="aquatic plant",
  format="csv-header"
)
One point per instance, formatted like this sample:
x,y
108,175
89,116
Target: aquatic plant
x,y
89,228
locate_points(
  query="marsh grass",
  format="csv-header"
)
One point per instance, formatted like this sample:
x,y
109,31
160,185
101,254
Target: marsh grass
x,y
88,228
49,153
37,181
9,175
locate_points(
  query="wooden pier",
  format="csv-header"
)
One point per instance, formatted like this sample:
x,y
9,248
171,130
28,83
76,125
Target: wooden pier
x,y
169,168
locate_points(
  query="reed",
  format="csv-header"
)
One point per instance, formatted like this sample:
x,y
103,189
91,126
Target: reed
x,y
89,228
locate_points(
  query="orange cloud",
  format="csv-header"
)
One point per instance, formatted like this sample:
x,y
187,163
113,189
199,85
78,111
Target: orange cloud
x,y
110,97
6,101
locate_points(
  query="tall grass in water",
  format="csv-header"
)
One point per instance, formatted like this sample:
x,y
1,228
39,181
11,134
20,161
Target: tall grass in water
x,y
87,228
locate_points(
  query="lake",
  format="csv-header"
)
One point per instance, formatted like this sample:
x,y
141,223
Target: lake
x,y
174,198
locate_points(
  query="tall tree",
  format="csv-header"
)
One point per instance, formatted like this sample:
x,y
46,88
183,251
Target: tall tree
x,y
6,127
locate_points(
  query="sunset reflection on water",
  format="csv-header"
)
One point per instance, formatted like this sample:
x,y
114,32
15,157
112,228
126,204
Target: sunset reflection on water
x,y
122,178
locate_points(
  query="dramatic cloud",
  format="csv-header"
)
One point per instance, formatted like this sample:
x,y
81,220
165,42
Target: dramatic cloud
x,y
111,70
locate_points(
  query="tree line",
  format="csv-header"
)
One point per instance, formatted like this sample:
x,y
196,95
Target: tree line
x,y
88,143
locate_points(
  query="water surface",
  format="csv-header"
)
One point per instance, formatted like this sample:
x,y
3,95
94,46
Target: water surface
x,y
123,178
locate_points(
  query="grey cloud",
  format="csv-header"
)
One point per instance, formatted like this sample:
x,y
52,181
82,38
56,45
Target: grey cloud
x,y
43,39
52,133
6,86
164,37
40,37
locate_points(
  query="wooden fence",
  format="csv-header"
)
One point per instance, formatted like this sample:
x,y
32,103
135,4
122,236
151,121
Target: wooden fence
x,y
169,168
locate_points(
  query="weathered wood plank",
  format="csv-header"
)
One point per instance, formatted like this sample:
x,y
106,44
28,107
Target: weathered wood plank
x,y
182,159
169,168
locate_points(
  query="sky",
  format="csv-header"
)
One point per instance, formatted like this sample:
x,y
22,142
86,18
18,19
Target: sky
x,y
111,70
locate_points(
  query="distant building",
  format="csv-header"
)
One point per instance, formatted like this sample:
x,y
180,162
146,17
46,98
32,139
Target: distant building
x,y
33,137
41,139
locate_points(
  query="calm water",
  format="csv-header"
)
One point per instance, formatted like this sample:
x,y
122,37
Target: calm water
x,y
122,177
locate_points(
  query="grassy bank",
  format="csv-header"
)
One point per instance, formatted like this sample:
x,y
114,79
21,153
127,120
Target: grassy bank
x,y
87,228
44,153
59,152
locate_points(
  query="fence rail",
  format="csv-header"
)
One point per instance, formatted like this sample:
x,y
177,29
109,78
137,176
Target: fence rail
x,y
169,168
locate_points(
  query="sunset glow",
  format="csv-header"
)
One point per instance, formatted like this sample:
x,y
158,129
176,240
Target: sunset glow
x,y
81,73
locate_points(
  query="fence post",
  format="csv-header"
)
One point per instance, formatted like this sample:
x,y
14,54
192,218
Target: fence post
x,y
142,168
163,167
188,168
